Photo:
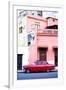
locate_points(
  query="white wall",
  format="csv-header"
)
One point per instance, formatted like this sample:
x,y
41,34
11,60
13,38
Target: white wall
x,y
22,41
25,52
22,37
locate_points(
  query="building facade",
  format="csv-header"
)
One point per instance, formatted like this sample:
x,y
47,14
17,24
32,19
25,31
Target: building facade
x,y
37,38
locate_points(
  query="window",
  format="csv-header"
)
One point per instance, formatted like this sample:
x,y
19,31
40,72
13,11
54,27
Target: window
x,y
37,25
34,13
39,13
23,13
33,26
31,38
20,29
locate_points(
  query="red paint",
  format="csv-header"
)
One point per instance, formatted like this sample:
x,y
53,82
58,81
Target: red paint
x,y
38,68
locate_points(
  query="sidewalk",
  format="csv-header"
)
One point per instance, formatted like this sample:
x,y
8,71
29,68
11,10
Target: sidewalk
x,y
19,71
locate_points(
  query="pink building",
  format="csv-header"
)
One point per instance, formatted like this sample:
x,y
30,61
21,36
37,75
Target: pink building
x,y
37,38
45,43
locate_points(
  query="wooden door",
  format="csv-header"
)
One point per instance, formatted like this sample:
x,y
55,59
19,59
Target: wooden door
x,y
43,54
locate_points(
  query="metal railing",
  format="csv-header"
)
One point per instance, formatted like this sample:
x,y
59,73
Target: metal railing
x,y
48,31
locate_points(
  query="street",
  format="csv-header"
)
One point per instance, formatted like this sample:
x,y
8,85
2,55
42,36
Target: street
x,y
42,75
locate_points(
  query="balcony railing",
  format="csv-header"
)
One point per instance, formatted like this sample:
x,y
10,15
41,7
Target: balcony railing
x,y
47,32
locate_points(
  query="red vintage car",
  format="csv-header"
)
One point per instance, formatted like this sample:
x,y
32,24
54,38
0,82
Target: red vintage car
x,y
39,66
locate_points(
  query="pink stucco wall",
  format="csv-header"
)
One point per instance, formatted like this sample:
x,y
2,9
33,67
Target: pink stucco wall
x,y
41,41
32,54
31,21
50,42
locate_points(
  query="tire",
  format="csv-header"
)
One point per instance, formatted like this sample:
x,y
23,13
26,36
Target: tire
x,y
27,71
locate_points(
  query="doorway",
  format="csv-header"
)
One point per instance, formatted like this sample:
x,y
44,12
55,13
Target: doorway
x,y
19,61
56,56
42,54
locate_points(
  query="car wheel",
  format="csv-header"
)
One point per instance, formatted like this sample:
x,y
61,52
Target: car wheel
x,y
27,71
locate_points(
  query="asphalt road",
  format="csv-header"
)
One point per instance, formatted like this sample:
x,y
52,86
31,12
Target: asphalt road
x,y
43,75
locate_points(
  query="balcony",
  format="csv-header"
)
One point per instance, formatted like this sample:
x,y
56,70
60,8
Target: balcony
x,y
50,32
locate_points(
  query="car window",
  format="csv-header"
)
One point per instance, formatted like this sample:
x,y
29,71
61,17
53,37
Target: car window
x,y
37,63
45,63
41,62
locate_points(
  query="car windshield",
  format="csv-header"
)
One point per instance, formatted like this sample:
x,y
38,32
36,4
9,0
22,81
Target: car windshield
x,y
41,62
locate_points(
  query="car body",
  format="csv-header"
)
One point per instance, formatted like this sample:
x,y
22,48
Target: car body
x,y
39,66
